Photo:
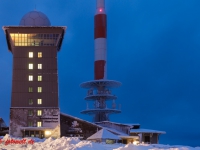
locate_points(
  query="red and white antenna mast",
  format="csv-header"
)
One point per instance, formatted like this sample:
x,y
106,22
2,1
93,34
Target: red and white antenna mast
x,y
99,88
100,35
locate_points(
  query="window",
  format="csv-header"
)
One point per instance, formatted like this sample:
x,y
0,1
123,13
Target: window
x,y
30,66
39,124
30,112
39,78
30,89
39,66
30,78
39,54
30,54
30,101
39,101
39,89
30,123
42,39
39,112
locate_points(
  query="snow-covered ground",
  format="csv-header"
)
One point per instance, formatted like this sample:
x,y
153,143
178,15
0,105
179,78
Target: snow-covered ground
x,y
64,143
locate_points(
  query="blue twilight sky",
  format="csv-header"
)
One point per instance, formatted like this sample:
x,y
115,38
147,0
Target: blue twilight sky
x,y
153,49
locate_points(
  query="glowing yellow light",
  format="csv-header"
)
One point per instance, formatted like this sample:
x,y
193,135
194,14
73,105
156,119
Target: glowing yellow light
x,y
47,132
135,143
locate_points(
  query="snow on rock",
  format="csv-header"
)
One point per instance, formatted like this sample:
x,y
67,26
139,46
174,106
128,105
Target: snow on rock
x,y
73,143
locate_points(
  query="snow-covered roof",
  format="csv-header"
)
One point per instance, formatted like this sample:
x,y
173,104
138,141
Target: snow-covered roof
x,y
146,131
81,120
103,134
115,131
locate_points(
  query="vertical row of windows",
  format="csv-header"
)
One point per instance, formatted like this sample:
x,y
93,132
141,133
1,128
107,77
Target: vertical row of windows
x,y
39,89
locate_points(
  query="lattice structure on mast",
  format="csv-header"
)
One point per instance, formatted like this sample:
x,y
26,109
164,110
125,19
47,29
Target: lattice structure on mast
x,y
99,92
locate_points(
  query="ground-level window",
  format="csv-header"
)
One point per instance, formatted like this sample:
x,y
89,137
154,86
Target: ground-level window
x,y
147,139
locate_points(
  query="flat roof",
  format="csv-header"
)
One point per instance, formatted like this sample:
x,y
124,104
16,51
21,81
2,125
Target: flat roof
x,y
146,131
42,29
6,27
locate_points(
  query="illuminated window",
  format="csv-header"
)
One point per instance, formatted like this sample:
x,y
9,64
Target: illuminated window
x,y
30,112
39,78
30,123
39,54
30,54
30,78
39,124
39,112
30,66
30,101
42,39
39,101
39,89
39,66
30,89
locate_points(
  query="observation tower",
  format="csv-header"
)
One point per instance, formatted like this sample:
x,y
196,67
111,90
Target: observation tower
x,y
99,89
34,110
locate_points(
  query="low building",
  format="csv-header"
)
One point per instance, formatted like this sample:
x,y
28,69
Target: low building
x,y
104,136
3,128
75,127
127,133
132,133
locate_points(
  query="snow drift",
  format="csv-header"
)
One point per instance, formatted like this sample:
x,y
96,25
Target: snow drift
x,y
66,143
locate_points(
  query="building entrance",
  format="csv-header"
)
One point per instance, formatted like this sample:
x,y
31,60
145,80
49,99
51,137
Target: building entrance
x,y
38,134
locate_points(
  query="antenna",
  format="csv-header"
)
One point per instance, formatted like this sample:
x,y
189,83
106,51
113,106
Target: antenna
x,y
35,7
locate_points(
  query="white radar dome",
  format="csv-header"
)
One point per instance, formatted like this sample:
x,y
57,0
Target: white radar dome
x,y
35,18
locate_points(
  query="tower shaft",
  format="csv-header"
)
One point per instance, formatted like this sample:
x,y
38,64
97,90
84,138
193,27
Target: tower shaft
x,y
100,34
